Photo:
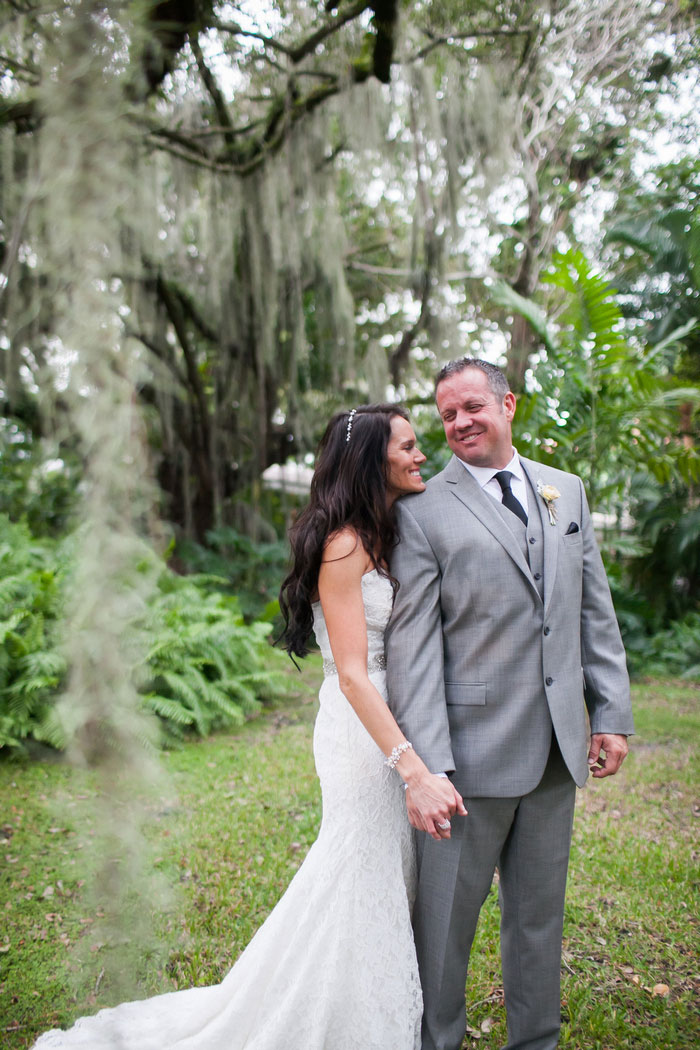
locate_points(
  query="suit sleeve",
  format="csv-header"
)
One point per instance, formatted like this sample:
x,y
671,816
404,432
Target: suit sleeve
x,y
606,682
415,679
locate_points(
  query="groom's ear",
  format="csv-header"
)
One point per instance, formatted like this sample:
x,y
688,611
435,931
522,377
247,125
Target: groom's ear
x,y
509,405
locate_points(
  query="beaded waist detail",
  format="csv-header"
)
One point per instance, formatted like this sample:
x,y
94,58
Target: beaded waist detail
x,y
376,662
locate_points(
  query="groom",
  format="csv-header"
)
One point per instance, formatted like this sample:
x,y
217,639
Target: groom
x,y
506,671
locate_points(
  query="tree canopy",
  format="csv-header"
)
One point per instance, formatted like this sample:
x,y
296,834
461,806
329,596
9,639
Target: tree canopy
x,y
300,203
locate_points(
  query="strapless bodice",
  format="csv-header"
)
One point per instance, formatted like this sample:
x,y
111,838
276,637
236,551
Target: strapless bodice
x,y
377,596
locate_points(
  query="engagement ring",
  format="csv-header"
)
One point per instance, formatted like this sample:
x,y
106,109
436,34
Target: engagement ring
x,y
444,826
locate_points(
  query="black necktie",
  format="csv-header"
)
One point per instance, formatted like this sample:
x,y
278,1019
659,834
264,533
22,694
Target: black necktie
x,y
508,499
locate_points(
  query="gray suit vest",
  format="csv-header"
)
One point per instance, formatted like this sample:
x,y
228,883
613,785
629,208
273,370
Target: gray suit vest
x,y
530,538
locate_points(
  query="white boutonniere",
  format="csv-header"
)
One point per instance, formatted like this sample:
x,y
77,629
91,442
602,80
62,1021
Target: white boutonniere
x,y
549,493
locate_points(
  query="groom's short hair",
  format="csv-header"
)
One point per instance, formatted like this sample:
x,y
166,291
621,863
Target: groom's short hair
x,y
497,381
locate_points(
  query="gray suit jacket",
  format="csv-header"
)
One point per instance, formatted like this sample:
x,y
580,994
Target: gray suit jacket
x,y
479,666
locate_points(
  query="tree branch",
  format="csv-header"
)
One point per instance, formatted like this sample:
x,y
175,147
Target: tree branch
x,y
31,73
471,34
187,303
296,52
24,114
186,141
284,115
160,352
236,30
198,158
308,46
211,85
399,358
169,23
392,271
173,309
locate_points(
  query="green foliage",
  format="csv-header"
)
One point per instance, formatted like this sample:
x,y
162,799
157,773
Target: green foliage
x,y
38,484
655,579
31,666
657,257
608,407
667,572
674,651
238,565
204,667
600,404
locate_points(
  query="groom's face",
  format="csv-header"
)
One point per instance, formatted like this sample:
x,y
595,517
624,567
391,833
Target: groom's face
x,y
477,423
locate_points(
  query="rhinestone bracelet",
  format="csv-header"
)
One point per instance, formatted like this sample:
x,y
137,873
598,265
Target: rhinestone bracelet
x,y
396,753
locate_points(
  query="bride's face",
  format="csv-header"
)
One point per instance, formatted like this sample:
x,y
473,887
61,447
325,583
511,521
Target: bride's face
x,y
404,460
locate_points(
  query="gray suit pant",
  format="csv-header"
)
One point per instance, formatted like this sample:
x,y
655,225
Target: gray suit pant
x,y
529,838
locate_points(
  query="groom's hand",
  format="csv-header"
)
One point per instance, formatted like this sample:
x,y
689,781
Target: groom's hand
x,y
430,802
615,748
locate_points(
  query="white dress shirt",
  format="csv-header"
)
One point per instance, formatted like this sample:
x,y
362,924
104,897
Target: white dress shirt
x,y
486,477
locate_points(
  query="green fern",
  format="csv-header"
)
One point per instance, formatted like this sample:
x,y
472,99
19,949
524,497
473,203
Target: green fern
x,y
603,405
204,668
31,665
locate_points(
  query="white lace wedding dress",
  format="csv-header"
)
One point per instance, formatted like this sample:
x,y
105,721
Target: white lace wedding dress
x,y
334,966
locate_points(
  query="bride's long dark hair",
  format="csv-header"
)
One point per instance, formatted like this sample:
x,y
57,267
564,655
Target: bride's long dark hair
x,y
348,489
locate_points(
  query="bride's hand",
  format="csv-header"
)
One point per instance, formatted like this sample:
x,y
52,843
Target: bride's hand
x,y
431,801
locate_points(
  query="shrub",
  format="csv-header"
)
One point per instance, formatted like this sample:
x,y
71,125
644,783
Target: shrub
x,y
674,651
252,571
204,668
31,665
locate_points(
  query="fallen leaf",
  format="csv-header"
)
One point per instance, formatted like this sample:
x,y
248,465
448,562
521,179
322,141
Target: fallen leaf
x,y
48,892
487,1025
661,989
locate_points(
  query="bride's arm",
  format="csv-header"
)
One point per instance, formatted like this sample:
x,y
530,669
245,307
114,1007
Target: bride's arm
x,y
340,590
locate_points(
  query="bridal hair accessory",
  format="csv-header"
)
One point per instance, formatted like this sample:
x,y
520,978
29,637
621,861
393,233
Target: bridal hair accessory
x,y
549,493
351,419
396,753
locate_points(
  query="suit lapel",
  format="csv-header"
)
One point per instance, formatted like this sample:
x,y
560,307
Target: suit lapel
x,y
480,504
549,532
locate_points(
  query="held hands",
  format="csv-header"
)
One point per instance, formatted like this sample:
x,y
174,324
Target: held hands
x,y
431,801
615,748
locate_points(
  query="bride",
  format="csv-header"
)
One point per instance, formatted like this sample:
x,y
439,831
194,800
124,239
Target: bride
x,y
334,966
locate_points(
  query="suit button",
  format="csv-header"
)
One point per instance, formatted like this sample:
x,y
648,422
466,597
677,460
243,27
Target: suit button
x,y
538,575
533,540
548,680
547,630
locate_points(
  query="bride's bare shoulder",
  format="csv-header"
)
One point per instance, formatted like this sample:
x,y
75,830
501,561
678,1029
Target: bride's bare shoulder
x,y
345,545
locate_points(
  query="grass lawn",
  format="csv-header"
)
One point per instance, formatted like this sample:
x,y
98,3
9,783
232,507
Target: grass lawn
x,y
233,820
